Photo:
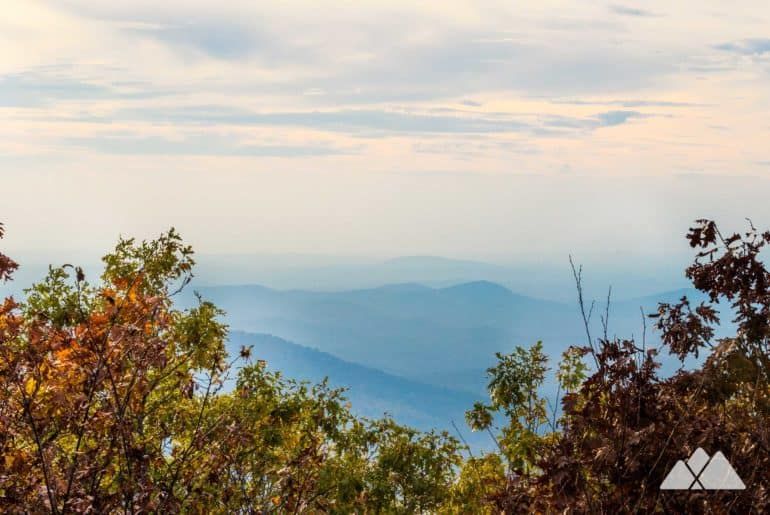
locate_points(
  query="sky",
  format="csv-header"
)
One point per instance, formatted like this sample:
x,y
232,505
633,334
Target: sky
x,y
496,130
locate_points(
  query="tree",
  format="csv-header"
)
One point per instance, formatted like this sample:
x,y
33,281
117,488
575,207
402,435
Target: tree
x,y
114,401
513,389
624,426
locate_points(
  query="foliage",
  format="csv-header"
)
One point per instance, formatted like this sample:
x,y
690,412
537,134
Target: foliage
x,y
513,390
113,401
624,426
479,481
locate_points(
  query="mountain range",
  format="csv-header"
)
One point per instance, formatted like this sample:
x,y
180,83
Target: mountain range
x,y
552,280
445,337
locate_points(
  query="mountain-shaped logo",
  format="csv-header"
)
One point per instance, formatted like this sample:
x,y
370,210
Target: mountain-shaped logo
x,y
702,472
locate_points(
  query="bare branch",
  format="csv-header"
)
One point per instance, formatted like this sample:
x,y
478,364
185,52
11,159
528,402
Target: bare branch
x,y
577,273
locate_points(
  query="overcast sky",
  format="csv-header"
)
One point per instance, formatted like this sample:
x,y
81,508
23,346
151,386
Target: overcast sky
x,y
497,130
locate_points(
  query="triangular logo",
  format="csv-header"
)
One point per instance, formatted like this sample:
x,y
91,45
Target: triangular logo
x,y
720,475
703,473
680,478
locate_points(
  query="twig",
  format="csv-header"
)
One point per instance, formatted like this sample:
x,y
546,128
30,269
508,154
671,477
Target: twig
x,y
470,452
606,318
27,407
468,447
577,273
555,407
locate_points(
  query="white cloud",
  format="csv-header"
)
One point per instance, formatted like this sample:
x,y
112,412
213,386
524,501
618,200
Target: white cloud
x,y
334,89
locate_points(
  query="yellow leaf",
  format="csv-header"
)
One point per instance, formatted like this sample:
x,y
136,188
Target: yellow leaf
x,y
276,500
29,386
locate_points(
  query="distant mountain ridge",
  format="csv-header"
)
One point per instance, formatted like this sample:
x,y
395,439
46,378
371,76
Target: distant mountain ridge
x,y
327,273
397,328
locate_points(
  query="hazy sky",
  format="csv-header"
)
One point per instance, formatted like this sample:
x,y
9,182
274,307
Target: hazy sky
x,y
487,129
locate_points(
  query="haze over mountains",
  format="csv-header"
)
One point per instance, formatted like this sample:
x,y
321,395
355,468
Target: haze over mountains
x,y
415,351
551,280
402,327
547,280
435,335
411,336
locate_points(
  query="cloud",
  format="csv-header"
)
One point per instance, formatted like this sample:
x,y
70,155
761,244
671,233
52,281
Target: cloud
x,y
612,118
627,103
396,51
344,120
606,119
197,145
30,89
462,64
372,123
753,46
221,40
421,75
43,86
378,123
630,11
229,40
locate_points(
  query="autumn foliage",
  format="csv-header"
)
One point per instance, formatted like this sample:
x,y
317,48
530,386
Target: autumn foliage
x,y
114,401
625,427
